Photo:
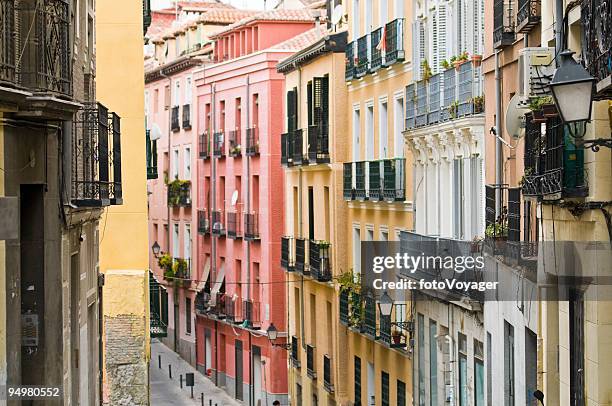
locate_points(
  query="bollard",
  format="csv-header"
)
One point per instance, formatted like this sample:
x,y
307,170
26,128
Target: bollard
x,y
170,370
181,378
192,392
202,398
210,402
159,360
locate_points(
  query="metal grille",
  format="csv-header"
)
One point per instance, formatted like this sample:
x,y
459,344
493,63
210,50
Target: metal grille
x,y
514,214
597,41
528,15
375,186
503,23
394,41
377,56
421,103
204,144
175,124
251,226
310,362
298,148
187,117
449,95
362,56
369,325
349,54
319,260
344,307
347,181
233,224
233,137
300,254
410,106
434,99
327,374
465,90
394,179
219,144
7,41
360,180
252,141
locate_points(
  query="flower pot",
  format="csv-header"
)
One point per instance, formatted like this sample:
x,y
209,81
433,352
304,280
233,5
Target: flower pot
x,y
458,63
549,110
397,339
538,116
476,60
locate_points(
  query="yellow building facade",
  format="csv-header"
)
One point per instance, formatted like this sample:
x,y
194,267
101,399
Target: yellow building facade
x,y
124,242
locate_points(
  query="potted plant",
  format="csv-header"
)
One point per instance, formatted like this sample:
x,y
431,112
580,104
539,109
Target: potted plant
x,y
445,64
165,263
453,109
498,231
460,59
475,246
476,60
396,336
427,73
548,107
478,102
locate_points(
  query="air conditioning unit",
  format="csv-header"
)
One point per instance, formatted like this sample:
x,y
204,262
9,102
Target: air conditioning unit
x,y
536,69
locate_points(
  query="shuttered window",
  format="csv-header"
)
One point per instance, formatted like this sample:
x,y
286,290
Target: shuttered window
x,y
401,393
357,387
384,388
292,110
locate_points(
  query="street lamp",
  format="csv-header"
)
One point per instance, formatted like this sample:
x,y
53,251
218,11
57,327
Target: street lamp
x,y
272,332
572,88
385,305
156,249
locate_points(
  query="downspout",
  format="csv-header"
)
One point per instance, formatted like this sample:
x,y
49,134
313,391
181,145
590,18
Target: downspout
x,y
248,247
498,145
300,209
213,185
558,29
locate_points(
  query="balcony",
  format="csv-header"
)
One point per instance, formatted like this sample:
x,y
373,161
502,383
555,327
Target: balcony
x,y
450,95
252,141
233,225
233,310
297,153
320,260
179,193
295,352
375,180
219,144
286,148
368,327
362,64
377,52
251,226
528,15
45,48
178,272
218,225
396,329
394,41
311,367
251,313
344,307
203,222
146,15
327,374
96,158
503,23
287,247
300,255
152,172
202,303
318,143
175,124
7,42
204,145
187,117
597,45
554,165
233,138
350,62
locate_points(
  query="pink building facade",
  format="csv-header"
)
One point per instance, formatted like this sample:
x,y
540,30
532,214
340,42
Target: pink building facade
x,y
242,289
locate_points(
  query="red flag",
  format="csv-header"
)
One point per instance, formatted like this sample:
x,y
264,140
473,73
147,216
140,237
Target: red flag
x,y
382,44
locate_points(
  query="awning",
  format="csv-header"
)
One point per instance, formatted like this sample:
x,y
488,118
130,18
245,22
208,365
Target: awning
x,y
220,277
205,275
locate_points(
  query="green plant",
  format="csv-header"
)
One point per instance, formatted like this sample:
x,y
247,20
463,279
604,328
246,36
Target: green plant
x,y
496,230
445,64
453,109
427,73
463,56
175,189
536,103
165,263
180,267
349,282
453,59
478,104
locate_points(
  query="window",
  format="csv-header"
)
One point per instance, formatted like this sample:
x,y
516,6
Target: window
x,y
356,252
175,241
384,388
255,118
357,388
383,137
175,165
398,127
401,393
462,355
382,13
187,241
167,97
508,364
433,364
188,315
459,197
356,23
156,101
177,93
356,133
188,90
421,358
479,373
369,152
187,161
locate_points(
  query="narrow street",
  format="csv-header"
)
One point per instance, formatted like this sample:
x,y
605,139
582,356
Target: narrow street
x,y
166,391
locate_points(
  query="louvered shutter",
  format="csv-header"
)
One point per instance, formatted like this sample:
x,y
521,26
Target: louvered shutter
x,y
422,47
325,103
309,91
433,43
442,30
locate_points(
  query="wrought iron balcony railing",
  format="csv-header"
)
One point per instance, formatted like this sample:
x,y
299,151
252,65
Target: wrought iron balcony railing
x,y
179,193
181,271
295,352
203,222
394,41
375,180
395,329
528,15
175,124
554,165
286,148
252,141
318,143
187,117
347,181
204,145
377,51
251,313
369,320
360,180
320,260
218,223
300,255
151,146
351,61
394,179
146,15
297,154
363,55
219,144
311,367
287,253
251,226
233,225
452,94
375,187
235,143
45,62
344,307
327,374
202,303
233,310
96,157
503,23
597,44
7,42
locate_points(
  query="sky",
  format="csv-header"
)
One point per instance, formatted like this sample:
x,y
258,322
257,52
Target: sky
x,y
248,4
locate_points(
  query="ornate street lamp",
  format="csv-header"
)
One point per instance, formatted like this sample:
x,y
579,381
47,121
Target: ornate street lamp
x,y
385,304
572,89
272,332
156,249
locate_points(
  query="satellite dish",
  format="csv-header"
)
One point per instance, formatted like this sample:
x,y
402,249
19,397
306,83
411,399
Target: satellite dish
x,y
156,132
515,117
337,14
234,198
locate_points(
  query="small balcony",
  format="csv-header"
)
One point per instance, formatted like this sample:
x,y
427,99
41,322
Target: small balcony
x,y
152,172
286,149
327,374
347,181
320,260
344,307
252,141
179,193
233,225
394,41
219,144
233,310
368,327
597,45
311,367
350,62
175,124
7,42
235,145
377,51
360,180
396,329
251,226
287,253
204,145
394,179
297,153
318,143
179,271
375,187
202,303
146,15
203,222
251,313
528,16
503,23
295,352
187,117
300,255
363,54
218,224
375,180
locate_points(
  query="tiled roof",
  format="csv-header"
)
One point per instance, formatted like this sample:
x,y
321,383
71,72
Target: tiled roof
x,y
309,2
204,5
273,15
226,16
160,23
302,40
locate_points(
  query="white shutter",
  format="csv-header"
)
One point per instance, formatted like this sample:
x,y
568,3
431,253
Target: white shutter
x,y
422,47
433,42
442,41
465,15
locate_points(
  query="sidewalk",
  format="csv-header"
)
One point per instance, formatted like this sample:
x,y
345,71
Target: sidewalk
x,y
166,391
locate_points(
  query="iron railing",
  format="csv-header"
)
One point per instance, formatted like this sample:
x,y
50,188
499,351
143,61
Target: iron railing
x,y
503,23
233,136
175,124
203,222
360,180
327,374
344,307
7,41
375,187
286,148
300,255
43,30
528,15
218,223
394,41
252,141
297,154
377,51
202,302
187,117
597,44
350,62
320,260
369,320
311,367
375,180
204,145
394,179
363,56
251,313
251,226
233,225
395,329
318,143
347,181
287,260
219,144
295,352
96,157
179,194
146,15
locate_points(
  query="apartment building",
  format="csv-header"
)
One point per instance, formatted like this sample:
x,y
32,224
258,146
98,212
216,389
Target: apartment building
x,y
241,291
314,247
61,167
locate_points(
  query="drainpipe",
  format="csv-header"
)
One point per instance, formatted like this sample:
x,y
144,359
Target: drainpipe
x,y
558,29
213,186
300,210
451,363
498,145
248,247
67,159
